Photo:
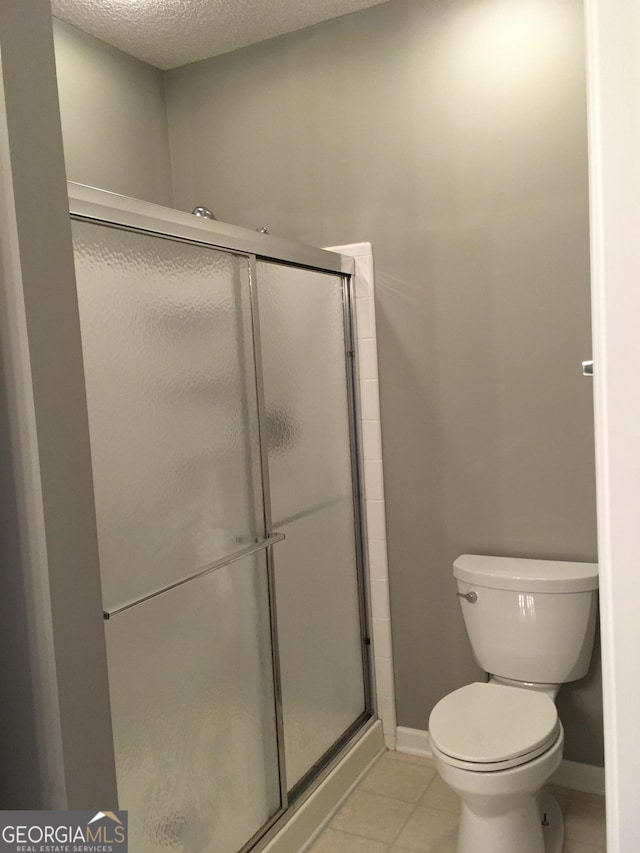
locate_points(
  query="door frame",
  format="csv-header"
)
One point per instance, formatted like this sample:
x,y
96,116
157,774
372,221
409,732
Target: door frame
x,y
613,91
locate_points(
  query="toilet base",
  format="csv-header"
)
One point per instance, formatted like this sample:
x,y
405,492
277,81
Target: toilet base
x,y
503,811
517,828
534,825
552,823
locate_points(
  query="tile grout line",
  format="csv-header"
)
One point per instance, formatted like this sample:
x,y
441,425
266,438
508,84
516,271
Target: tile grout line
x,y
399,833
574,799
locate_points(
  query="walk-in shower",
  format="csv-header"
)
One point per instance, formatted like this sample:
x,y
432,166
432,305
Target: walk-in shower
x,y
221,395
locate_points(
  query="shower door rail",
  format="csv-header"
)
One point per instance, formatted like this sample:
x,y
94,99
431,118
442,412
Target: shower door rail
x,y
222,563
107,209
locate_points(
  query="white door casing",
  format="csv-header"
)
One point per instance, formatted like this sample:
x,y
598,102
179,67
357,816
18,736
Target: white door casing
x,y
613,72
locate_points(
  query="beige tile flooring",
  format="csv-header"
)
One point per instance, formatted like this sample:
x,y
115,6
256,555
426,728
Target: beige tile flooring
x,y
402,805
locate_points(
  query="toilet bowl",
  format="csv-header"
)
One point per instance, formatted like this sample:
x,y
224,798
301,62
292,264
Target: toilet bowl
x,y
496,747
531,625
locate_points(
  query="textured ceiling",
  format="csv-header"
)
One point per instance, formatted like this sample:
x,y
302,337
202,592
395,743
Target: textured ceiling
x,y
170,33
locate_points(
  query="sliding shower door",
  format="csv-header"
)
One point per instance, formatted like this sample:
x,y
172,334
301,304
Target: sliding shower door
x,y
171,387
221,417
305,368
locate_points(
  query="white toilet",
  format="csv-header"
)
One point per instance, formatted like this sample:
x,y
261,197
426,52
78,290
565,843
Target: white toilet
x,y
531,624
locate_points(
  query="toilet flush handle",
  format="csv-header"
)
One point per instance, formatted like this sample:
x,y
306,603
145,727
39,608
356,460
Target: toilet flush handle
x,y
471,597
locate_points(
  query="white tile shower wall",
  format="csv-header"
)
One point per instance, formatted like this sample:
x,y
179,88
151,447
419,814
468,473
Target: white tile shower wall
x,y
378,579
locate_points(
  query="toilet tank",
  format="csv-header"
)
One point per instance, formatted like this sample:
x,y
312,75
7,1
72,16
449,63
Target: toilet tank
x,y
529,620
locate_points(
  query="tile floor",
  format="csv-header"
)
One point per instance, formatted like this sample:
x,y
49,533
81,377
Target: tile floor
x,y
402,805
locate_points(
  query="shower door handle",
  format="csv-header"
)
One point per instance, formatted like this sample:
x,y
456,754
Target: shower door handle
x,y
587,368
261,545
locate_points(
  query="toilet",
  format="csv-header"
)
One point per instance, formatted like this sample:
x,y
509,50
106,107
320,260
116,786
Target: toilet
x,y
531,624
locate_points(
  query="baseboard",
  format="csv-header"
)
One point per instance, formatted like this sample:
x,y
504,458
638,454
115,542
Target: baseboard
x,y
570,774
314,813
580,777
413,742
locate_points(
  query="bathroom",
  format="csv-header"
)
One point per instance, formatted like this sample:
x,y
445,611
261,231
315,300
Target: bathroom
x,y
453,138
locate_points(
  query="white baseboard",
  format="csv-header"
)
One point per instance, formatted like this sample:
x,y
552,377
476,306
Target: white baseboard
x,y
413,742
315,812
580,777
570,774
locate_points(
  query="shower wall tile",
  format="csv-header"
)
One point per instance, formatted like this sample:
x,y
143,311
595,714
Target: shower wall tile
x,y
363,256
382,632
376,520
379,598
367,358
378,565
371,440
387,714
384,675
373,479
378,580
369,400
365,318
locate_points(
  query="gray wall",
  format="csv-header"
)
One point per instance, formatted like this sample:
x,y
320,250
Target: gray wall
x,y
451,134
114,118
56,745
20,784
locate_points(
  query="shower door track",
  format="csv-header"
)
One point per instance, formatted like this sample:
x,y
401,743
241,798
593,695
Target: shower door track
x,y
110,209
93,205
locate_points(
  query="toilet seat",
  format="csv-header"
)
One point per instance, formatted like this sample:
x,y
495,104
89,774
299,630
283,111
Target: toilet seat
x,y
487,727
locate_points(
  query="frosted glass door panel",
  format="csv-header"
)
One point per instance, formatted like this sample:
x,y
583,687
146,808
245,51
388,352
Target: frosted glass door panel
x,y
302,329
305,382
192,699
166,336
319,630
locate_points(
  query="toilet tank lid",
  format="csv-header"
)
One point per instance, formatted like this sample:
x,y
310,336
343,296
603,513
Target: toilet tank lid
x,y
526,575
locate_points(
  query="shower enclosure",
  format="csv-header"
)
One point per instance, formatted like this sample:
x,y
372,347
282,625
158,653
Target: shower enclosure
x,y
220,385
